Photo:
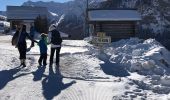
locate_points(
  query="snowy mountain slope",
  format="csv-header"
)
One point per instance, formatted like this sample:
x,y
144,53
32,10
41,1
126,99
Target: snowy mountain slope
x,y
76,7
155,17
74,12
155,13
88,73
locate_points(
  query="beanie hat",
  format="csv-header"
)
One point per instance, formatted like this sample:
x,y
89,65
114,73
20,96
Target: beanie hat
x,y
52,27
43,35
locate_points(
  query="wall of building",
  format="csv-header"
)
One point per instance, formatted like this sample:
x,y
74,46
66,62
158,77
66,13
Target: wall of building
x,y
25,12
119,29
17,15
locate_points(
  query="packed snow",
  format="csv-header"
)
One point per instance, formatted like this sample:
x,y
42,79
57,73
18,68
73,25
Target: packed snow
x,y
128,69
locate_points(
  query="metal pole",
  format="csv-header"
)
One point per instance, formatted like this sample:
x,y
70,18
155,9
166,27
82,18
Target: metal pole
x,y
87,4
87,26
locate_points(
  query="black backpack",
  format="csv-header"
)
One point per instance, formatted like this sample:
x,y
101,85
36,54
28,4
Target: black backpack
x,y
56,38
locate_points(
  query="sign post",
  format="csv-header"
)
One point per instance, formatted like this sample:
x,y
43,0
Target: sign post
x,y
101,39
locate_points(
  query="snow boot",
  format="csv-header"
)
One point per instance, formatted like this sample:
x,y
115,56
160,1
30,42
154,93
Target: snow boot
x,y
24,65
23,62
44,63
39,63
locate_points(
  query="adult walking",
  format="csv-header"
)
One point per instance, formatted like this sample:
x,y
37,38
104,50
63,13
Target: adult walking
x,y
55,39
32,33
21,44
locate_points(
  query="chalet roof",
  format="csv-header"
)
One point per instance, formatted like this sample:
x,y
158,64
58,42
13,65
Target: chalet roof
x,y
25,12
113,15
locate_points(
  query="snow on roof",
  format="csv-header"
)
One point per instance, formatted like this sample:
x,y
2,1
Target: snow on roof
x,y
2,17
114,15
25,12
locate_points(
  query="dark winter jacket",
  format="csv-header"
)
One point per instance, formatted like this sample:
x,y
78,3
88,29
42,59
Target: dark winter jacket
x,y
55,37
43,46
23,36
32,30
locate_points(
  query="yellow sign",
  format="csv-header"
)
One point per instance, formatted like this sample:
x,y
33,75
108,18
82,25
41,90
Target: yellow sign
x,y
101,34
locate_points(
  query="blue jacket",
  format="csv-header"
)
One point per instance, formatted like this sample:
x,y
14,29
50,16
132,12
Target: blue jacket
x,y
43,46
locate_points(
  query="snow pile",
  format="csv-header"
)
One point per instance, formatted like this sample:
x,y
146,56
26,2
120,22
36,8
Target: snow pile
x,y
146,57
93,78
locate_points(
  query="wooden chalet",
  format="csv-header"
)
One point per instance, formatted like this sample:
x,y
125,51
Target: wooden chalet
x,y
117,23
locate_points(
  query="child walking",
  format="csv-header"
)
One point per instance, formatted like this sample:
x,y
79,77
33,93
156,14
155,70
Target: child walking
x,y
43,50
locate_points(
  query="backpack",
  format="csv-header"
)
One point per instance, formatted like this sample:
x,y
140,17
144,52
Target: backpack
x,y
56,38
15,38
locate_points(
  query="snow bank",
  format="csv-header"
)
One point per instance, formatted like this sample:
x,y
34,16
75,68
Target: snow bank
x,y
146,57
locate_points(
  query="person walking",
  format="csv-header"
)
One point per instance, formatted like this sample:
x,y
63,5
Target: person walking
x,y
32,33
43,49
55,39
22,45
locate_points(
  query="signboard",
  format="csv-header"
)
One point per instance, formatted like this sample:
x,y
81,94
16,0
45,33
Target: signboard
x,y
101,34
101,38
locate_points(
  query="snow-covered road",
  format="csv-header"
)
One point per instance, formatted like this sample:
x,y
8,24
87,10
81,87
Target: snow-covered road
x,y
85,73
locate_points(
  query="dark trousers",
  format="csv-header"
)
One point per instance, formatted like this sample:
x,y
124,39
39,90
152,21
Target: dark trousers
x,y
32,43
57,55
22,50
43,58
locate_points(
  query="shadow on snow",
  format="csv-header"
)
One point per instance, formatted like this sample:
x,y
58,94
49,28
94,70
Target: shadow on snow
x,y
38,74
8,75
52,85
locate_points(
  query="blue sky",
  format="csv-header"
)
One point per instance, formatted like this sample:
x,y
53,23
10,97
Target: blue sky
x,y
4,3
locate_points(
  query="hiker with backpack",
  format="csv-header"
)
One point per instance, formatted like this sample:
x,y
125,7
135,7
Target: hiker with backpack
x,y
55,39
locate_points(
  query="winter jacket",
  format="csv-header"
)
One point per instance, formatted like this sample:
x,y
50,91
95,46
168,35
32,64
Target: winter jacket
x,y
23,36
59,34
43,46
55,38
32,30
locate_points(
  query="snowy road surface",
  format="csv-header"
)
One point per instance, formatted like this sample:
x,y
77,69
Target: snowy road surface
x,y
85,73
